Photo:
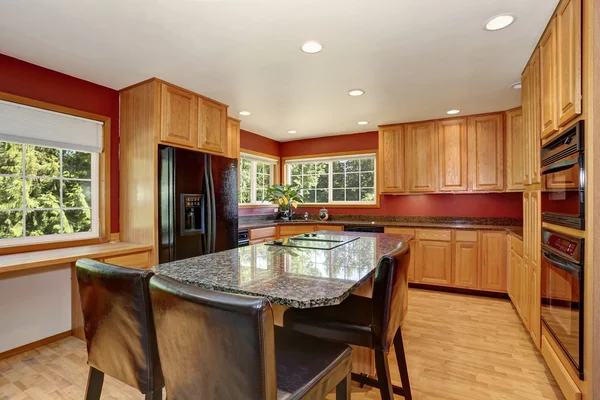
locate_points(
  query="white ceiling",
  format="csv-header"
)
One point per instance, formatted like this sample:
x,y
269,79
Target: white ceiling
x,y
415,59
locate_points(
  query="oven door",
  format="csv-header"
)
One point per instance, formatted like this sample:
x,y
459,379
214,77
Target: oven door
x,y
562,305
563,194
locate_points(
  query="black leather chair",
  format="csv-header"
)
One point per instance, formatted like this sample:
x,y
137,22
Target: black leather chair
x,y
222,346
119,329
369,322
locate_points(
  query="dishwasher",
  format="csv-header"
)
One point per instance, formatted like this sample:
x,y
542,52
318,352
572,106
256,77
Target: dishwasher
x,y
363,228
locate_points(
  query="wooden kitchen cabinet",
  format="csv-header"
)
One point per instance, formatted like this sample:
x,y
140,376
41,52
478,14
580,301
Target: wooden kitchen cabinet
x,y
493,260
260,235
212,126
391,159
515,151
421,157
530,94
178,113
137,260
486,152
293,230
433,264
326,227
452,145
548,80
411,243
232,149
568,58
465,267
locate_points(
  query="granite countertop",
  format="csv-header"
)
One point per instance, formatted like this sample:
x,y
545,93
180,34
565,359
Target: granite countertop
x,y
514,230
295,277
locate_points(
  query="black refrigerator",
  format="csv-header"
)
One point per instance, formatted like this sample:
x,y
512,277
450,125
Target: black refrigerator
x,y
198,203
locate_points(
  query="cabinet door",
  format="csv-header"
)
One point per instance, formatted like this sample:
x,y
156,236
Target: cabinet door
x,y
391,159
212,126
568,49
493,261
434,262
486,152
452,144
548,80
421,157
525,289
516,147
527,128
534,116
233,138
533,226
138,260
178,116
466,265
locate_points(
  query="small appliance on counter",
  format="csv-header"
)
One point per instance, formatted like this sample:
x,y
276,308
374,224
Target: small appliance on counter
x,y
323,214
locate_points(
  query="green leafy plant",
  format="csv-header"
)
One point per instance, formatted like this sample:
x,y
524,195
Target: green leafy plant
x,y
286,197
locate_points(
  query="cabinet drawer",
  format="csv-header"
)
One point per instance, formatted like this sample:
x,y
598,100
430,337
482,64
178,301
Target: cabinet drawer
x,y
260,233
329,228
516,245
466,236
293,230
138,260
399,231
440,235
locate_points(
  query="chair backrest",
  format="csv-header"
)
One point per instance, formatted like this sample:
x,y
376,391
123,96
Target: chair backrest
x,y
390,288
118,325
213,345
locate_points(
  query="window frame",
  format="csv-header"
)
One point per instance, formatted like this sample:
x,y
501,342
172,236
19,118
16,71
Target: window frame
x,y
104,172
254,158
330,158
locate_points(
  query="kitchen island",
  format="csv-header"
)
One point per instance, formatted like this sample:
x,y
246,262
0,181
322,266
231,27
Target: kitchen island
x,y
296,277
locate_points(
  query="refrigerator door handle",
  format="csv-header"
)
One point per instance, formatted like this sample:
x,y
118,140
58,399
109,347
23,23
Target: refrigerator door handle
x,y
213,209
207,234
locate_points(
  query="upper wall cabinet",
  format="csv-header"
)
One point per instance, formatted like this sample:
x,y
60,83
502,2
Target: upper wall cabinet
x,y
548,80
486,152
530,94
568,50
212,126
515,151
232,149
452,145
391,159
178,116
421,157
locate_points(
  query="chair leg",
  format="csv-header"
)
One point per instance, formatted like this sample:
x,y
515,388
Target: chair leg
x,y
94,384
383,375
342,390
401,358
156,395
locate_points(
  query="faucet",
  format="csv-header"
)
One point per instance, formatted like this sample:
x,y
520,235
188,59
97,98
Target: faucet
x,y
306,216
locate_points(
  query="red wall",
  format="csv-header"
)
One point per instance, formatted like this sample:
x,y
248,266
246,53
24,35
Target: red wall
x,y
330,144
28,80
252,141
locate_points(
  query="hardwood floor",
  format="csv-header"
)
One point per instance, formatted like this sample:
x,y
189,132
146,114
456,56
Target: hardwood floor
x,y
458,347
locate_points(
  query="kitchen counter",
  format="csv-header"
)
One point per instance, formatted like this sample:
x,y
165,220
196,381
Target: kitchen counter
x,y
516,231
294,277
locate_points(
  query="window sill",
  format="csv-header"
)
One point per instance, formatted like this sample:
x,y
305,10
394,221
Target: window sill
x,y
46,258
337,205
257,205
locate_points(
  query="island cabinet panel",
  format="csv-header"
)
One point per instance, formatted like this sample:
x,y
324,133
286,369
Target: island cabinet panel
x,y
421,157
493,260
434,262
452,144
212,126
548,80
568,55
178,116
293,230
486,152
516,151
391,159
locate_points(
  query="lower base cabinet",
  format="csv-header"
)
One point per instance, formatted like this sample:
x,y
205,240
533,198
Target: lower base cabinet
x,y
465,270
434,262
493,261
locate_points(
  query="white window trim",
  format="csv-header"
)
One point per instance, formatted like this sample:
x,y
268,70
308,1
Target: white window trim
x,y
60,237
330,159
254,159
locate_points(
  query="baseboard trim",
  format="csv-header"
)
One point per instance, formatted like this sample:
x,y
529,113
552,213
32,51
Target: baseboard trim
x,y
472,292
33,345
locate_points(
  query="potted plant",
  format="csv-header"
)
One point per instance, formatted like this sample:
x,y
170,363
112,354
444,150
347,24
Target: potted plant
x,y
286,197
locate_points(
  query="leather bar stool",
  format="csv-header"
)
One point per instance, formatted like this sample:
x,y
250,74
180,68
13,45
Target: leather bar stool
x,y
222,346
374,323
119,329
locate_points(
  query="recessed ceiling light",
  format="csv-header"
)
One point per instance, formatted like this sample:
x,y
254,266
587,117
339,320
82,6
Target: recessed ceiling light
x,y
311,47
245,113
452,112
363,122
516,85
356,92
499,22
292,132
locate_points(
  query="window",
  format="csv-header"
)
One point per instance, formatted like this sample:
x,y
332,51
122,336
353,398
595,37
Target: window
x,y
256,175
47,194
332,180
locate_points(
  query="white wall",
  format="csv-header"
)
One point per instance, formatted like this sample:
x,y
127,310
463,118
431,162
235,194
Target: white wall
x,y
34,307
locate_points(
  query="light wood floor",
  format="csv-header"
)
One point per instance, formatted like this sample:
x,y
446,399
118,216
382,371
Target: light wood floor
x,y
458,347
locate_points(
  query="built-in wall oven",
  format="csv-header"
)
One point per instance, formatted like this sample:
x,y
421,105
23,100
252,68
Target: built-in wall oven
x,y
562,292
563,169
